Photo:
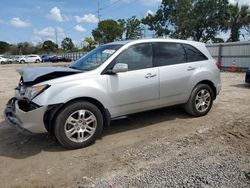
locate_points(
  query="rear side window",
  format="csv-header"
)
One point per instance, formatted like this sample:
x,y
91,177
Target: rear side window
x,y
193,54
168,54
137,57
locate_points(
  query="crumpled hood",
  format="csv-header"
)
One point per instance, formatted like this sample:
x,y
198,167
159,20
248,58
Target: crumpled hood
x,y
30,74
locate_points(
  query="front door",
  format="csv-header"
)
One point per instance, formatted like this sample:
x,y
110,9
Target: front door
x,y
137,89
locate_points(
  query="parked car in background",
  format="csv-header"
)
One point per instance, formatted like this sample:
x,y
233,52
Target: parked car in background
x,y
58,58
3,60
55,58
21,59
46,58
248,76
113,80
15,58
29,59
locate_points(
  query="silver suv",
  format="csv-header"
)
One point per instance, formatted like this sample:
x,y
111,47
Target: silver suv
x,y
116,79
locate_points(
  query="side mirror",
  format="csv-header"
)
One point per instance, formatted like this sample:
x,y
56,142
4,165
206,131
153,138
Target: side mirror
x,y
120,67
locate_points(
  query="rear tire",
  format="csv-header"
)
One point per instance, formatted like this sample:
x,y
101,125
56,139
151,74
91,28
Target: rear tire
x,y
22,62
2,62
200,101
78,125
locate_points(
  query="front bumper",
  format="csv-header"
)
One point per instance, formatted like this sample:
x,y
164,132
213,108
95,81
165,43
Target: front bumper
x,y
19,115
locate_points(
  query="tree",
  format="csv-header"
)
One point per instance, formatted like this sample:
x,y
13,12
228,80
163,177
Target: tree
x,y
25,48
239,17
133,28
49,46
67,44
108,31
4,47
13,50
89,44
199,20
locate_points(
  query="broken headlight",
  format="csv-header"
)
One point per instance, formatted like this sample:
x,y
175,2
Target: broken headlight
x,y
34,91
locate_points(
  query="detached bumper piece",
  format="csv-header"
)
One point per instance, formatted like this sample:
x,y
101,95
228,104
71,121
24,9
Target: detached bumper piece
x,y
25,116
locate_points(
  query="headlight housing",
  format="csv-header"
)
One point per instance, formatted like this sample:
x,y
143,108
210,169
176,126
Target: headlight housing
x,y
34,91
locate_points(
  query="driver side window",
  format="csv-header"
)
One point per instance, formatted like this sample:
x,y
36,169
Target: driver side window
x,y
137,57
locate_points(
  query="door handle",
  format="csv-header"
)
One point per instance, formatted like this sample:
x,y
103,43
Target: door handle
x,y
191,68
149,75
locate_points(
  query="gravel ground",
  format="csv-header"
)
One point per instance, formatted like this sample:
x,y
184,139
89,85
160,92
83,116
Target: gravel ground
x,y
200,161
160,148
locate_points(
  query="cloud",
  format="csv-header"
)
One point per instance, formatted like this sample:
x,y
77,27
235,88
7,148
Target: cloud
x,y
36,39
49,33
89,18
17,22
116,1
79,28
2,21
149,12
149,2
143,2
241,2
55,14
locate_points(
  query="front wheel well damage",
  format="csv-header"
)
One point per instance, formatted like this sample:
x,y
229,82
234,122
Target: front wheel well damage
x,y
54,110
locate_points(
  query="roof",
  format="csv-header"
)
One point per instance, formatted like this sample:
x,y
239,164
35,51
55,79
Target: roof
x,y
153,40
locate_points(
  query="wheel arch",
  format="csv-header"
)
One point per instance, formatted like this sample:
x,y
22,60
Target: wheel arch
x,y
54,110
211,85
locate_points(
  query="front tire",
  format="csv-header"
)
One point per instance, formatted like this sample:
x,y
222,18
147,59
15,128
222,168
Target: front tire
x,y
22,62
200,101
78,125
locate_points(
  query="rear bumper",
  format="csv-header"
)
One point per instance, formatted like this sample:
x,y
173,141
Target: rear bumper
x,y
218,88
247,79
24,118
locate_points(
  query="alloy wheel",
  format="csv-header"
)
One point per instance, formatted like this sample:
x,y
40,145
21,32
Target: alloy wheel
x,y
202,100
80,126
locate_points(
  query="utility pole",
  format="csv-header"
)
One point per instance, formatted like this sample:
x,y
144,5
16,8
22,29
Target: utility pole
x,y
98,12
56,36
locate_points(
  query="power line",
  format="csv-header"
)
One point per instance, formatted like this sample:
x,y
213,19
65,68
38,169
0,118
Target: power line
x,y
111,4
119,8
98,12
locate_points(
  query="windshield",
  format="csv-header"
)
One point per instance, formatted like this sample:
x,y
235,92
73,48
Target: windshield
x,y
95,58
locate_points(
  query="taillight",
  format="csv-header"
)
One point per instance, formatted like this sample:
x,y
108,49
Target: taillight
x,y
218,65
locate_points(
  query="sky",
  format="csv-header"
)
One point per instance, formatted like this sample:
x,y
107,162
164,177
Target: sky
x,y
38,20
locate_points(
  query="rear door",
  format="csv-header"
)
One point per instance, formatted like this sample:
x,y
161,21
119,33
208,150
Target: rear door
x,y
175,72
136,89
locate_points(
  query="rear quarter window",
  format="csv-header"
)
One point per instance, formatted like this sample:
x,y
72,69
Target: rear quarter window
x,y
193,54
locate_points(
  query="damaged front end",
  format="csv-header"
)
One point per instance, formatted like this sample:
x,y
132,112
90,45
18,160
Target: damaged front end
x,y
25,115
21,112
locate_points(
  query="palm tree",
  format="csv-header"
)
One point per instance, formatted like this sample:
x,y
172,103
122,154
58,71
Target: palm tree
x,y
238,18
